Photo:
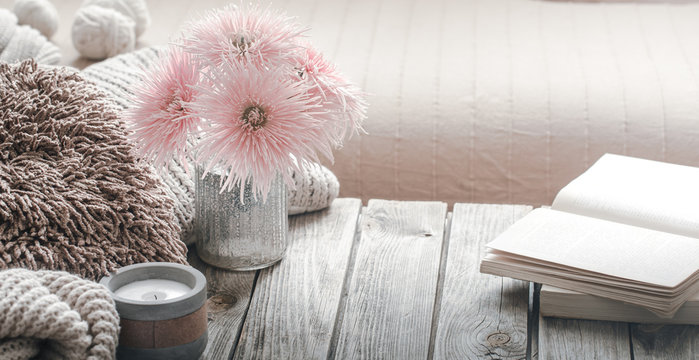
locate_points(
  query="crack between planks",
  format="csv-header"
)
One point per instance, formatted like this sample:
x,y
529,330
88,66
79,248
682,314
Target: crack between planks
x,y
339,315
440,284
629,334
533,321
234,348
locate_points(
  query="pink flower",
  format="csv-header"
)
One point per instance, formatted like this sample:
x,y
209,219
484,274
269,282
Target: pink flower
x,y
161,117
261,123
342,102
245,33
260,102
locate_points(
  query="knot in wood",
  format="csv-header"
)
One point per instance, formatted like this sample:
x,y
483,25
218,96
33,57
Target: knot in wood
x,y
498,339
218,303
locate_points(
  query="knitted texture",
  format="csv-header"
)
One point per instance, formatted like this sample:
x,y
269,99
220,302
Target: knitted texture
x,y
19,348
38,14
22,42
55,315
72,196
136,10
99,33
315,188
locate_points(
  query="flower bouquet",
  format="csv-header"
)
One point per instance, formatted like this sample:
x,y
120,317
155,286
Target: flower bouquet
x,y
252,101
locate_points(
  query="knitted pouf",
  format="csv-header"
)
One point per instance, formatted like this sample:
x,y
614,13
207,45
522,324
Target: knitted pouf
x,y
72,196
316,187
55,315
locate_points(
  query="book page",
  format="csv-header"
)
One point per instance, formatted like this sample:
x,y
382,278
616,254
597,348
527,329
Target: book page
x,y
651,194
602,247
559,302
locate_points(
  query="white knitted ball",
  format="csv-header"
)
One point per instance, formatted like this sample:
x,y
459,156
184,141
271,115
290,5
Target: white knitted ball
x,y
99,33
137,10
39,14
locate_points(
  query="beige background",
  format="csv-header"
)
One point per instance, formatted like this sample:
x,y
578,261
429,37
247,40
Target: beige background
x,y
497,101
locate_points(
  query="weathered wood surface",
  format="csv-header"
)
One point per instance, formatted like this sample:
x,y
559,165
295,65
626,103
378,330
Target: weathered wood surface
x,y
395,284
583,339
228,299
295,302
586,339
665,342
480,316
391,294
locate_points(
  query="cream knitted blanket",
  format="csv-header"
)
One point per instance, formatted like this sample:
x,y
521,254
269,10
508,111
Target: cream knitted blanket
x,y
55,315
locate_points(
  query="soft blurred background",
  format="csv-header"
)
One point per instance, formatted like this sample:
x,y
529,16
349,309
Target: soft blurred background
x,y
495,101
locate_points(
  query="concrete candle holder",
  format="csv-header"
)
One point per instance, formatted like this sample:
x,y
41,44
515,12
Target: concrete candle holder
x,y
162,307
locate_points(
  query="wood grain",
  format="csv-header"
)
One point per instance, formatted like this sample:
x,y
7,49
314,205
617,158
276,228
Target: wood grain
x,y
583,339
391,293
665,342
295,303
229,294
480,316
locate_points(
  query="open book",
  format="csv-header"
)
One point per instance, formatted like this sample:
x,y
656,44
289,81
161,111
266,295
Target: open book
x,y
627,229
557,302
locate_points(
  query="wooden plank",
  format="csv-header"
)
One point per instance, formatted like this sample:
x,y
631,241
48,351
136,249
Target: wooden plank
x,y
391,293
229,294
665,342
480,316
583,339
295,303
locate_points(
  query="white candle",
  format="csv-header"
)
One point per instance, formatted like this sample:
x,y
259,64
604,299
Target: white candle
x,y
152,290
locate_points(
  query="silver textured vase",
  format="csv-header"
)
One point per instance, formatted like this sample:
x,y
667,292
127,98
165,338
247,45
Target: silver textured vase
x,y
239,234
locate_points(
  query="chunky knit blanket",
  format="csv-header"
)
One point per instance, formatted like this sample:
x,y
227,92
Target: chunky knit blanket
x,y
55,315
72,196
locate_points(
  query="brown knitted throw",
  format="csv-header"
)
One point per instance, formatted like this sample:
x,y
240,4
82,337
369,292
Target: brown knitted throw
x,y
72,197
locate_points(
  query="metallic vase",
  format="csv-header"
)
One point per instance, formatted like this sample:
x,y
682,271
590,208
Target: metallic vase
x,y
239,233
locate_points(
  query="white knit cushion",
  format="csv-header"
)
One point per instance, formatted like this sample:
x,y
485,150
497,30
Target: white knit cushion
x,y
316,187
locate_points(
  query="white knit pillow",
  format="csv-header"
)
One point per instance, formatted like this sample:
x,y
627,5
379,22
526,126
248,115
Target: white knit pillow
x,y
316,187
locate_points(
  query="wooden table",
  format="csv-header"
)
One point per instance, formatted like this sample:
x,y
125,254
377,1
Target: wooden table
x,y
400,280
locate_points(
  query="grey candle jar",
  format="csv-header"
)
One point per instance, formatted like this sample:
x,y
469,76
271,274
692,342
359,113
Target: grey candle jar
x,y
172,329
240,233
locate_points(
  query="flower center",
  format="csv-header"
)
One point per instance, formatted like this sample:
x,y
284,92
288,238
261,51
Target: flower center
x,y
241,41
254,116
173,103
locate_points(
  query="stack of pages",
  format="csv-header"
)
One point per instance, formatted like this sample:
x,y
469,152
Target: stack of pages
x,y
626,230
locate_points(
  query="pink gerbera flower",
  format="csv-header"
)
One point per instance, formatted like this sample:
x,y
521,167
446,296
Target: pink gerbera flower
x,y
261,123
245,33
264,103
342,101
161,117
